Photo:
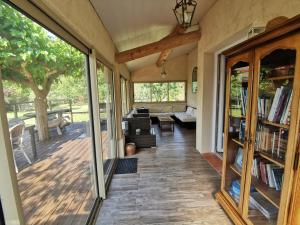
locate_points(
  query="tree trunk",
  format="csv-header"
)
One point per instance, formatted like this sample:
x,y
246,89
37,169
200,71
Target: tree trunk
x,y
41,117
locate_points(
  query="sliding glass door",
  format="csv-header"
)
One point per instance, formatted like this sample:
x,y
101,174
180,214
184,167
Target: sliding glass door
x,y
47,105
105,84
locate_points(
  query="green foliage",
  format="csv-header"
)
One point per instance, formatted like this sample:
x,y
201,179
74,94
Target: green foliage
x,y
159,92
69,87
23,41
14,93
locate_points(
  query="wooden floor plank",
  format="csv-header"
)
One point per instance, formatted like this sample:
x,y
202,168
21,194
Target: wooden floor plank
x,y
174,185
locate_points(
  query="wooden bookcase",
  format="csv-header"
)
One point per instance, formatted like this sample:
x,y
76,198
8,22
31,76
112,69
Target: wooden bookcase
x,y
260,175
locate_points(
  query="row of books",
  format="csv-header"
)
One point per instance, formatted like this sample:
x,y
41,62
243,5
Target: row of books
x,y
269,173
257,201
271,140
280,108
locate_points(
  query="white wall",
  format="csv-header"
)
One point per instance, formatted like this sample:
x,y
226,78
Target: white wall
x,y
192,62
224,22
176,69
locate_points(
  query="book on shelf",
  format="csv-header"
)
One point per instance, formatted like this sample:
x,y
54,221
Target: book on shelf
x,y
238,162
280,107
263,205
264,106
235,190
271,140
268,173
242,130
277,176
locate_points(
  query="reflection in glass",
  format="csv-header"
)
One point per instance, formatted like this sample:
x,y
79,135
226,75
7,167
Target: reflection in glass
x,y
46,99
238,101
275,93
106,103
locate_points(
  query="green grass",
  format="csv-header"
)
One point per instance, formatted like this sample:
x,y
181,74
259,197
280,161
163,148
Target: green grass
x,y
80,113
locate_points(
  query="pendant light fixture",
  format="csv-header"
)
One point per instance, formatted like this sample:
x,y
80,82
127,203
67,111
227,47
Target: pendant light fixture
x,y
184,12
163,71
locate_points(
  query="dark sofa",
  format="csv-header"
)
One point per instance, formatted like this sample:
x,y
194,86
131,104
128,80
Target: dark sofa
x,y
146,138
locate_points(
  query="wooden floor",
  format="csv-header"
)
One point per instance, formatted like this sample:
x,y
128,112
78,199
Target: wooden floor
x,y
58,189
174,186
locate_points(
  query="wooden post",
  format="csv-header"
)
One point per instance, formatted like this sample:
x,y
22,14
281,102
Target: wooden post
x,y
71,112
50,105
16,111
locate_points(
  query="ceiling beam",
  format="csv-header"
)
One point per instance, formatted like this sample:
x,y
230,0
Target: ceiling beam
x,y
165,54
166,43
163,57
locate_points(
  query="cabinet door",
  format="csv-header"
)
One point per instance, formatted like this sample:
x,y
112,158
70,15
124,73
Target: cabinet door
x,y
238,95
273,132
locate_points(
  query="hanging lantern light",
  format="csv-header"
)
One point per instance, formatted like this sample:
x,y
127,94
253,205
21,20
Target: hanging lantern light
x,y
184,12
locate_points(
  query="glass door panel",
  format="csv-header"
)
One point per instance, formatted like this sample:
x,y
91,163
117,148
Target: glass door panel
x,y
238,103
48,112
107,115
274,89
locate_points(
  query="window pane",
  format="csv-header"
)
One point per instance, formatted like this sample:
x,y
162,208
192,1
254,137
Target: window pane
x,y
159,92
177,91
142,92
46,97
106,98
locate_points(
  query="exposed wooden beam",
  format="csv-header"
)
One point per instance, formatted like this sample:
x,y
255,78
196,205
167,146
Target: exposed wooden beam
x,y
166,43
163,57
165,54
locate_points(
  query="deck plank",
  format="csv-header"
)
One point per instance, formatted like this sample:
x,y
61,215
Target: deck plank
x,y
58,189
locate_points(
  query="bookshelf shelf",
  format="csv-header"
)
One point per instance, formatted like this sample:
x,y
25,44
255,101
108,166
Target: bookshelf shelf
x,y
237,141
287,77
275,124
235,169
270,194
272,158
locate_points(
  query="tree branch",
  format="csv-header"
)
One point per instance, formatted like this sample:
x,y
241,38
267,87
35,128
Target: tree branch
x,y
32,84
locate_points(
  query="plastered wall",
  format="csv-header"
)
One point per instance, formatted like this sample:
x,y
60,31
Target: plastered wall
x,y
176,69
192,62
223,21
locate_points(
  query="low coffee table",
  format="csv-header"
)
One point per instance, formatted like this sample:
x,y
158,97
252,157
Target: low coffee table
x,y
166,121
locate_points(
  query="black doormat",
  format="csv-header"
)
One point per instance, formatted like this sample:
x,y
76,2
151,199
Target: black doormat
x,y
126,166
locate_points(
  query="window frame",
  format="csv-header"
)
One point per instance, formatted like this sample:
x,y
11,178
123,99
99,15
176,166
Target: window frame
x,y
168,82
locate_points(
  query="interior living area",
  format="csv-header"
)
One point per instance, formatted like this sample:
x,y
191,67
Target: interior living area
x,y
175,112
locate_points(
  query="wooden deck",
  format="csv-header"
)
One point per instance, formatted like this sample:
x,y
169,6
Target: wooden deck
x,y
59,189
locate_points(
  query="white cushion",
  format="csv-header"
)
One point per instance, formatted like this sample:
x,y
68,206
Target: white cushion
x,y
189,110
184,117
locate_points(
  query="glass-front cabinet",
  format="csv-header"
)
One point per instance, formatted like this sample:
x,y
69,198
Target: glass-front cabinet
x,y
261,135
239,77
273,137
